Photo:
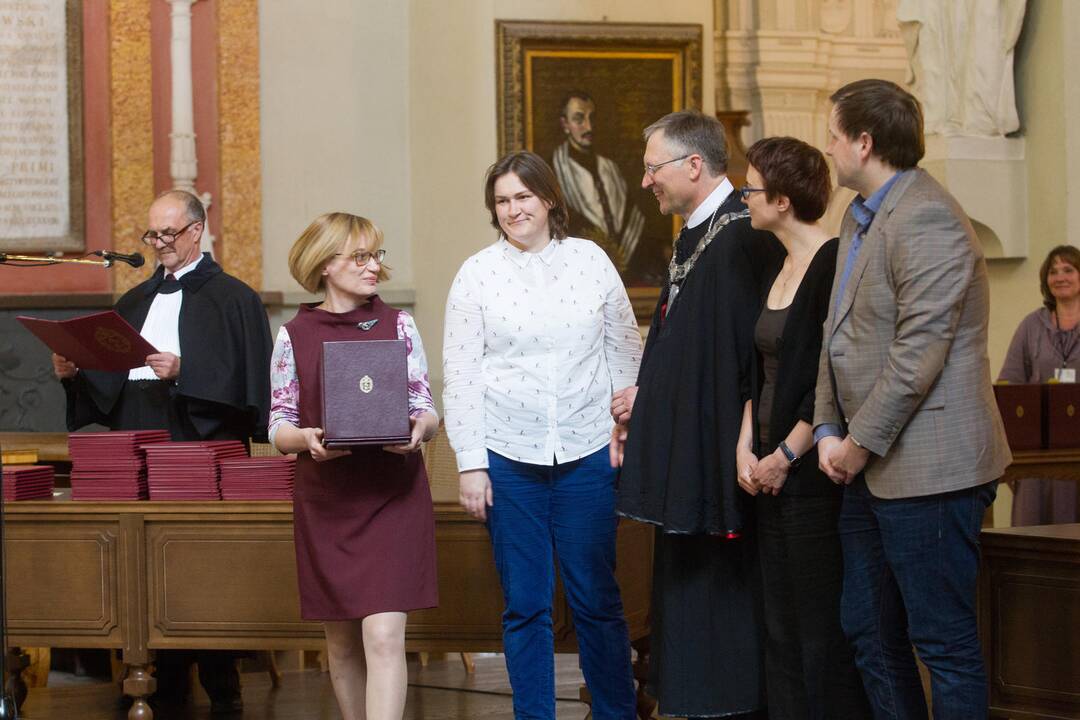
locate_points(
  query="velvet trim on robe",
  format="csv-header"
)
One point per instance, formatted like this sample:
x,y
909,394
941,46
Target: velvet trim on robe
x,y
679,462
225,347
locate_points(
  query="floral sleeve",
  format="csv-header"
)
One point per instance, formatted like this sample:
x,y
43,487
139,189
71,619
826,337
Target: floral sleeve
x,y
284,385
419,387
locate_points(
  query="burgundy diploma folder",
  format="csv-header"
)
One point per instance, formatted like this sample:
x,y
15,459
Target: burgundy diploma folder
x,y
365,393
1021,408
102,341
1062,415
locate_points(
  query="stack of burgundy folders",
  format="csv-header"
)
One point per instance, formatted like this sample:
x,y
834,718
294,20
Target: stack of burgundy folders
x,y
189,470
28,482
111,465
258,478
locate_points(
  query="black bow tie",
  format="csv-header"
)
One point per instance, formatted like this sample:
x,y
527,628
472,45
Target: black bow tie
x,y
169,285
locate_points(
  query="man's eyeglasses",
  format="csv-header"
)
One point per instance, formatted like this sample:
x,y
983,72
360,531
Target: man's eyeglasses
x,y
746,190
150,237
363,257
651,169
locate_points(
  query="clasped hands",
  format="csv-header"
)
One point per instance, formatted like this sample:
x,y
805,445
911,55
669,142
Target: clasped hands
x,y
841,460
766,475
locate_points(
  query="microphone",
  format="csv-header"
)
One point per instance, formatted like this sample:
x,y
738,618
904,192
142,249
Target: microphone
x,y
134,259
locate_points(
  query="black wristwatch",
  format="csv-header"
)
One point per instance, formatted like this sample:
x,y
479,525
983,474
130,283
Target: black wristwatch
x,y
792,458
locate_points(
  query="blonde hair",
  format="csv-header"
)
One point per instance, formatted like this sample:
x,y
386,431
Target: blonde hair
x,y
325,237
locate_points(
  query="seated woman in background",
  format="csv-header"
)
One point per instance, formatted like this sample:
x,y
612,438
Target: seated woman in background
x,y
539,332
1046,346
809,666
363,518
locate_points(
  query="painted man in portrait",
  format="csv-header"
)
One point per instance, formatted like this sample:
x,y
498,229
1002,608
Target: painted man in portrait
x,y
601,209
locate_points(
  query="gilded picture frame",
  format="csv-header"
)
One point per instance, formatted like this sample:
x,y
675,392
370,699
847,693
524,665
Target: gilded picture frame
x,y
617,78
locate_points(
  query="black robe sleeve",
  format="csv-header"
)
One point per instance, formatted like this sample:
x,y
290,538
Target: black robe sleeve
x,y
224,382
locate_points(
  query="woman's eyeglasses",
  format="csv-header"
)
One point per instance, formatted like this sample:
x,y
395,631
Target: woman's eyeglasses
x,y
363,257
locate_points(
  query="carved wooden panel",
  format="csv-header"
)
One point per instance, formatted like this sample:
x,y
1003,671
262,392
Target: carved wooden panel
x,y
223,578
1029,613
62,579
470,598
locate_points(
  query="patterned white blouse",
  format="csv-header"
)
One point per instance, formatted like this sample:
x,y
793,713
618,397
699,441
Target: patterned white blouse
x,y
534,346
285,385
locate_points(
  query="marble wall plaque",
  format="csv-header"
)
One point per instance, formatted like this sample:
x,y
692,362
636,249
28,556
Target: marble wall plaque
x,y
40,126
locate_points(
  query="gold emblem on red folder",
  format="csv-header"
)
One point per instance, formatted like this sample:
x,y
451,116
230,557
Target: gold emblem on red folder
x,y
112,340
366,384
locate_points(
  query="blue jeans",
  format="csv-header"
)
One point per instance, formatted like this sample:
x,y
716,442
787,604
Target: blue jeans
x,y
910,572
566,511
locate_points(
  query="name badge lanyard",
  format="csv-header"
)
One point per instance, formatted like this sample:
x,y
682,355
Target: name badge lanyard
x,y
1065,342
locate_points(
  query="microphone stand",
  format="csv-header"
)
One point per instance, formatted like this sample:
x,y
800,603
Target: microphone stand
x,y
9,709
38,260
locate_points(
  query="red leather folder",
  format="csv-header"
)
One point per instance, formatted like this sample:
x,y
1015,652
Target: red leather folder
x,y
1021,408
1062,415
102,341
365,386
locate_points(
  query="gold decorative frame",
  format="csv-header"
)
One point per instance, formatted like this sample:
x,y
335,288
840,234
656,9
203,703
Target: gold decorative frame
x,y
517,42
635,72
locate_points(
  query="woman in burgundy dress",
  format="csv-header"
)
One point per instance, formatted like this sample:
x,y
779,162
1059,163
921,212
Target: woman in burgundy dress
x,y
364,524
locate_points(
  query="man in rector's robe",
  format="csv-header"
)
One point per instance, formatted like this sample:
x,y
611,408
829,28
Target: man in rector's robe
x,y
677,431
209,380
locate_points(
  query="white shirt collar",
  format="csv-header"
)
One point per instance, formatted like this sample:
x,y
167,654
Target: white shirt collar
x,y
186,269
708,207
521,258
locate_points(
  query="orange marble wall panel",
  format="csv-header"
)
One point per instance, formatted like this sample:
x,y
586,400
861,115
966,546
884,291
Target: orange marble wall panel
x,y
241,167
132,137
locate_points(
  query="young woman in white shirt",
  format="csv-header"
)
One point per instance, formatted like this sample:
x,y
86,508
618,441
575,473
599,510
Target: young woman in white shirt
x,y
539,333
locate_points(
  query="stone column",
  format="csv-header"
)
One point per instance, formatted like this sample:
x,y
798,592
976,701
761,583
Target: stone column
x,y
183,164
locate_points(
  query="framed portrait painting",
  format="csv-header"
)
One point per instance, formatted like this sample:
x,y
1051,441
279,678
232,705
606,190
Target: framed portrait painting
x,y
579,95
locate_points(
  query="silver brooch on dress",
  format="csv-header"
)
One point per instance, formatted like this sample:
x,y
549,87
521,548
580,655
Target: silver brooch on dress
x,y
367,324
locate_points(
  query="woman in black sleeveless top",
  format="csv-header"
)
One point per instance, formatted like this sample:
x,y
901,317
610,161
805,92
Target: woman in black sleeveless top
x,y
809,666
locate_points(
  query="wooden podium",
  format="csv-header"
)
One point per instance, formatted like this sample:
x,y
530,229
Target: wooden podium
x,y
1029,621
144,576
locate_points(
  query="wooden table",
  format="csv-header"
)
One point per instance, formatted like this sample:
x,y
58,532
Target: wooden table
x,y
144,576
50,446
1051,464
1029,621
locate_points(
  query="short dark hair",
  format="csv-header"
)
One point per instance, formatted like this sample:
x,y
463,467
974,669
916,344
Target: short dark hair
x,y
1064,253
888,114
792,168
536,175
694,132
579,94
193,207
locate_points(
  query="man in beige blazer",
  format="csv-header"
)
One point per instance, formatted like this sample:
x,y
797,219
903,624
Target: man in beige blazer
x,y
905,414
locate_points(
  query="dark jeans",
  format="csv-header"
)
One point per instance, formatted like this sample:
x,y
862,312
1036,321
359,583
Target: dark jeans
x,y
809,665
566,511
910,571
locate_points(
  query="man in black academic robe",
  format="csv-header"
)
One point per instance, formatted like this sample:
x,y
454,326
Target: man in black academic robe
x,y
679,428
222,390
210,380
